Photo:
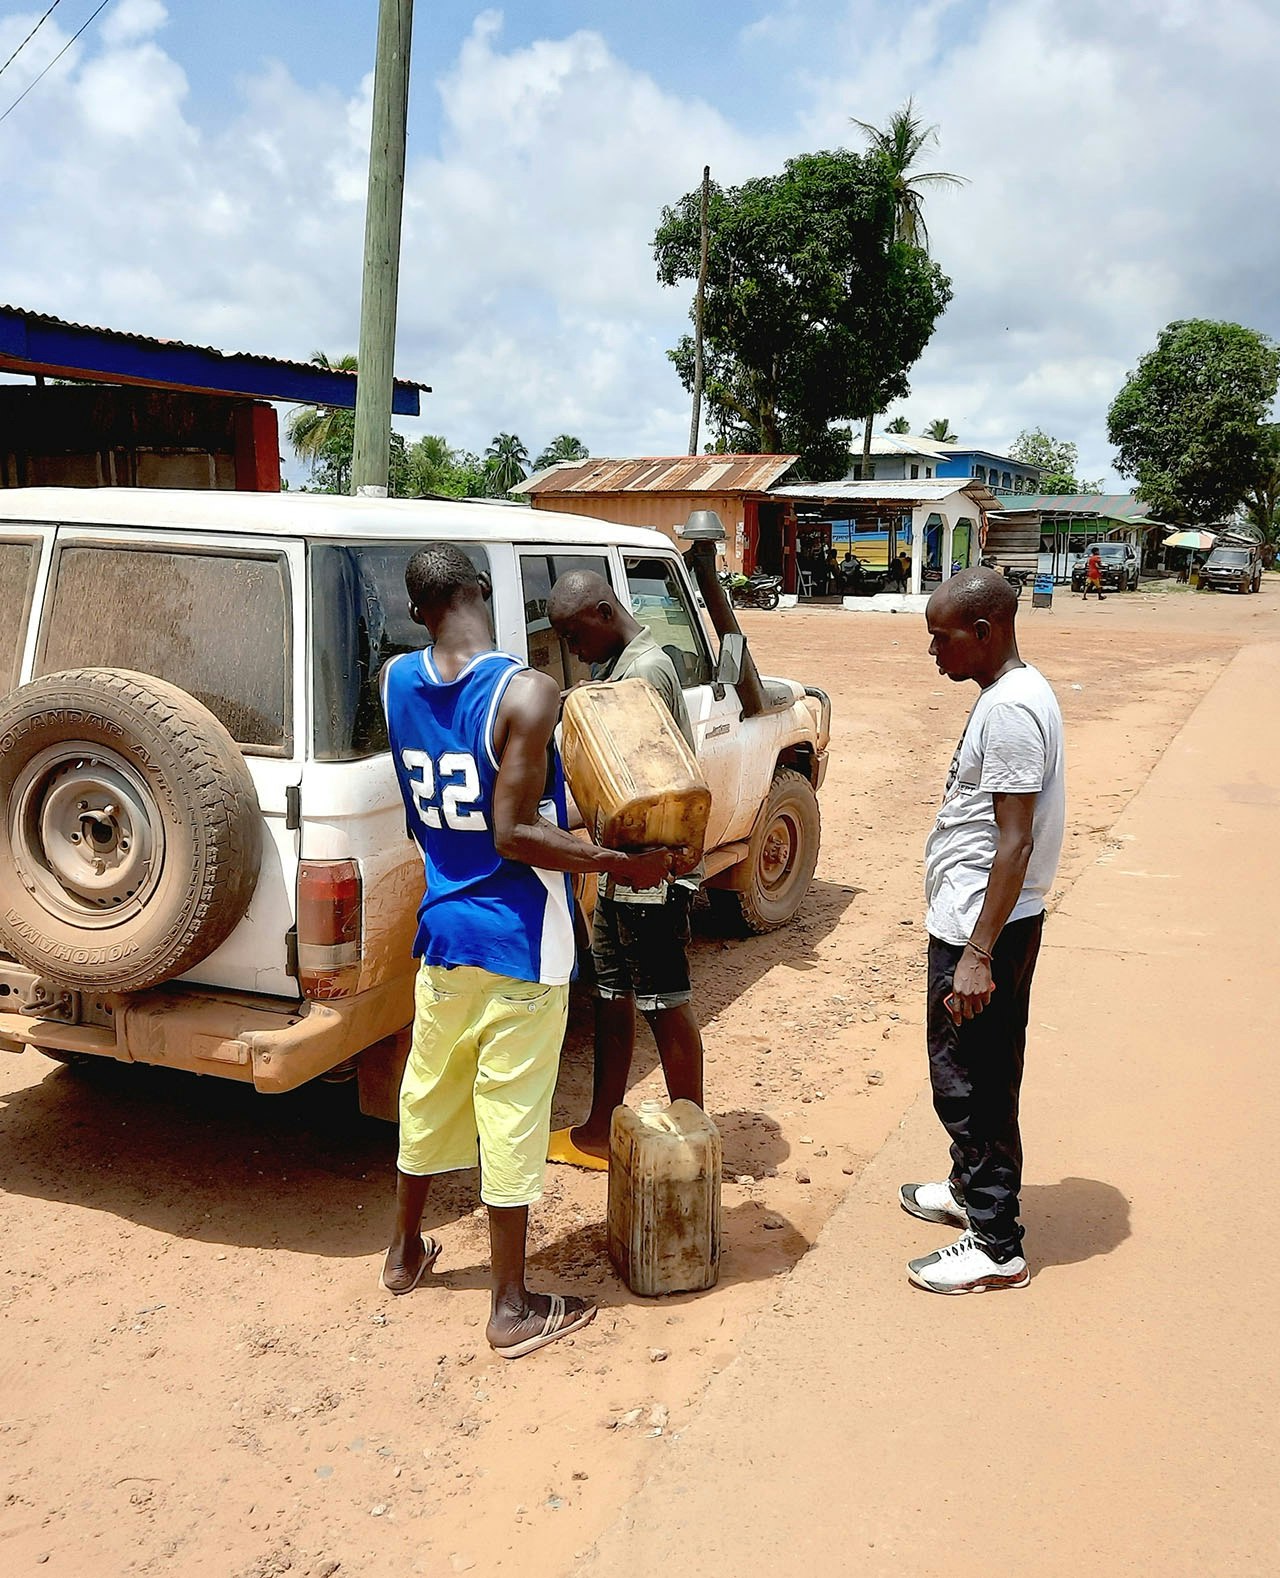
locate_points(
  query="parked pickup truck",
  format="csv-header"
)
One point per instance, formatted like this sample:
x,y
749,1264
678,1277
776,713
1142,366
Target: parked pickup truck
x,y
1232,568
203,861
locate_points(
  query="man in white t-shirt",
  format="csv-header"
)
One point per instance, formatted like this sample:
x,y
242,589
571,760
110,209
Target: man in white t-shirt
x,y
989,864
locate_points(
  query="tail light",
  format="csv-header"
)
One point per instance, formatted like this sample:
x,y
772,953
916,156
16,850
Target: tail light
x,y
330,932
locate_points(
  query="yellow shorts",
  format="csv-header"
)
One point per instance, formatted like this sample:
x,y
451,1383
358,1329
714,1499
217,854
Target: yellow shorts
x,y
482,1070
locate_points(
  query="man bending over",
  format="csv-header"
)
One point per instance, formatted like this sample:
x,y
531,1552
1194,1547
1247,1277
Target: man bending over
x,y
638,939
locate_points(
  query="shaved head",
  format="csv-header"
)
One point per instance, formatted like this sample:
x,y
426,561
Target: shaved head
x,y
577,591
976,594
587,616
970,623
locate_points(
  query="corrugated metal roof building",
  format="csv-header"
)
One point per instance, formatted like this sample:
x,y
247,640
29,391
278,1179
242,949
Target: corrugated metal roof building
x,y
1048,532
662,491
148,412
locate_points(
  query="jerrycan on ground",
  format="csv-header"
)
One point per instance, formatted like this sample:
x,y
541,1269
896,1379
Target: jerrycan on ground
x,y
664,1198
632,776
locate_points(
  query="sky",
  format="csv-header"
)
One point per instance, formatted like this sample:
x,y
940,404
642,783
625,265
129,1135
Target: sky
x,y
198,172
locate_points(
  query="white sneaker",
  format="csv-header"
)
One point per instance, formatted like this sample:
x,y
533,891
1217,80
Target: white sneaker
x,y
933,1202
967,1267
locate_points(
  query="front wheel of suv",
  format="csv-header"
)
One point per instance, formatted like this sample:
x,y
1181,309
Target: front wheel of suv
x,y
782,853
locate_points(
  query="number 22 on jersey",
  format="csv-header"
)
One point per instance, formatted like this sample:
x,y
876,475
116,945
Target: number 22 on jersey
x,y
446,792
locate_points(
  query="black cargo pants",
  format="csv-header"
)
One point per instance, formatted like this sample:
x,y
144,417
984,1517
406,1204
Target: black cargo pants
x,y
976,1071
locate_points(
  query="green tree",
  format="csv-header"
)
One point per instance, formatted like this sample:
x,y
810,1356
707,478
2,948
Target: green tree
x,y
331,462
561,448
940,431
901,143
1190,421
507,463
814,313
1056,458
310,427
898,425
1262,498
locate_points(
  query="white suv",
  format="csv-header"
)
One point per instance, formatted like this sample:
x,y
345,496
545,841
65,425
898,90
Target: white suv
x,y
203,860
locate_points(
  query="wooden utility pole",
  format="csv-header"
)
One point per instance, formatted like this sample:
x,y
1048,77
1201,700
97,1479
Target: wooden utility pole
x,y
698,300
370,463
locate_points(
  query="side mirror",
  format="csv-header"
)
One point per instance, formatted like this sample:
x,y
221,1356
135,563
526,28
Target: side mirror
x,y
733,648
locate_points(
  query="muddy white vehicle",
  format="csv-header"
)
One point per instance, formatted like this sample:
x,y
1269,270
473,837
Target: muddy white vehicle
x,y
203,861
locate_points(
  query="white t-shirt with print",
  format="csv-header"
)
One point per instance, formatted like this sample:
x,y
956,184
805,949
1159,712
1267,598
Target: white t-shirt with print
x,y
1012,744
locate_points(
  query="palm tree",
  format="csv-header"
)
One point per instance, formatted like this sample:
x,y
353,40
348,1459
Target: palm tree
x,y
940,431
432,465
898,425
561,448
507,462
902,142
310,427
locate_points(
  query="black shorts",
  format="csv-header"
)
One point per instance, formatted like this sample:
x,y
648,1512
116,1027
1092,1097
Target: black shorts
x,y
639,950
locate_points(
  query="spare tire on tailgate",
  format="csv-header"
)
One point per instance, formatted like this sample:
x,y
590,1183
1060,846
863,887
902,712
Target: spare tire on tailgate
x,y
130,834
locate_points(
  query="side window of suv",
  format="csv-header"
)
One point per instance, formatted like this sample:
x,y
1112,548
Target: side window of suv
x,y
215,624
359,620
660,601
18,562
539,572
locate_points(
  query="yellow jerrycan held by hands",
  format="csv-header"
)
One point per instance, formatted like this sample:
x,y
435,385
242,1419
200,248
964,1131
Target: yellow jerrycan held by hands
x,y
664,1198
631,773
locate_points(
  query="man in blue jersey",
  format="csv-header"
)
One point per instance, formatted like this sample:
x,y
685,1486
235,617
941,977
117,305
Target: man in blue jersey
x,y
638,939
470,731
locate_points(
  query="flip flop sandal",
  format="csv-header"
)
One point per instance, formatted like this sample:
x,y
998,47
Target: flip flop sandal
x,y
560,1148
552,1329
430,1254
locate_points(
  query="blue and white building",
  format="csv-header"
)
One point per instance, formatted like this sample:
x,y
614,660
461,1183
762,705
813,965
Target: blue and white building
x,y
906,457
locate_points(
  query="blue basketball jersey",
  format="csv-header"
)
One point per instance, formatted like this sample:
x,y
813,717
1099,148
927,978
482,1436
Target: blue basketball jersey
x,y
478,909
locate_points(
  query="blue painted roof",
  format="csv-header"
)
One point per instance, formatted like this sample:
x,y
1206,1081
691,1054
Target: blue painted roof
x,y
34,342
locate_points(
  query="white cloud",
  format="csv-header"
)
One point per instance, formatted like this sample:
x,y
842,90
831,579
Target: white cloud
x,y
129,20
1120,158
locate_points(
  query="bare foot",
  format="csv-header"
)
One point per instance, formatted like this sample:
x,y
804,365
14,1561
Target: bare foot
x,y
543,1318
406,1264
593,1144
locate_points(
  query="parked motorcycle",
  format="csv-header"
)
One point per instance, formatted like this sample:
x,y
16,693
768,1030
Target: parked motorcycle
x,y
751,591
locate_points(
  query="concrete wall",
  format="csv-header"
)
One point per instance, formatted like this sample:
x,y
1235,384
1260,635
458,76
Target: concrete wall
x,y
113,435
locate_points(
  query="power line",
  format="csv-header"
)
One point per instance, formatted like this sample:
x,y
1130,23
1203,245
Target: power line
x,y
54,61
30,36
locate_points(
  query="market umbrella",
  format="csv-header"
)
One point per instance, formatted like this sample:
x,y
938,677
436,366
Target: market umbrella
x,y
1200,541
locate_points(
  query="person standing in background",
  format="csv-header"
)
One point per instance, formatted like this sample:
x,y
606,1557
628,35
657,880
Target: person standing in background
x,y
989,864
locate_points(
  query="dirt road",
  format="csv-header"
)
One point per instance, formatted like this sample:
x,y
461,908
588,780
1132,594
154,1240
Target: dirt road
x,y
199,1373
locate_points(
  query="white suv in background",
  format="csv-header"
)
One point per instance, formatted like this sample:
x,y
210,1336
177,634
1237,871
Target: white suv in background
x,y
203,860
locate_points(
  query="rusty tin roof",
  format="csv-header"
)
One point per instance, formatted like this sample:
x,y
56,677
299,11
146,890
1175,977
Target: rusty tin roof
x,y
661,474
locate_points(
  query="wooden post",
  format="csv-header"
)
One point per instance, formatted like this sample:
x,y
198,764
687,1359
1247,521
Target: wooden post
x,y
699,372
370,463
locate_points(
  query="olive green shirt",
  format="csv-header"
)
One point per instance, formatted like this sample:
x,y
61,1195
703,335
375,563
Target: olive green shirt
x,y
643,658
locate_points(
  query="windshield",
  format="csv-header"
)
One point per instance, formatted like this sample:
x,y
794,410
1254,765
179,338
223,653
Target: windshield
x,y
1228,556
1108,550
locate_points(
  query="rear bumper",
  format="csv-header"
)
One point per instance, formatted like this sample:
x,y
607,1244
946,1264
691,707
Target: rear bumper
x,y
275,1046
